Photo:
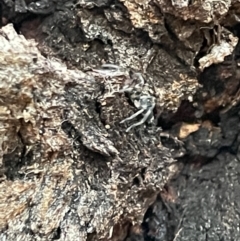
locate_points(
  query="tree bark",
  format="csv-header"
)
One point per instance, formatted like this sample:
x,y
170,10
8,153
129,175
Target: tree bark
x,y
69,169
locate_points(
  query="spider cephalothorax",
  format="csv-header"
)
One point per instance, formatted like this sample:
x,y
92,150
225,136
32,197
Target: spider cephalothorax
x,y
139,93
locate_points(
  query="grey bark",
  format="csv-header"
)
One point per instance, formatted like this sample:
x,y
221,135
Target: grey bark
x,y
69,170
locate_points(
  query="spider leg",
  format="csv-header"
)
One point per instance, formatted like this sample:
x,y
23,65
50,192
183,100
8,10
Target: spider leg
x,y
146,116
126,89
110,70
132,116
109,73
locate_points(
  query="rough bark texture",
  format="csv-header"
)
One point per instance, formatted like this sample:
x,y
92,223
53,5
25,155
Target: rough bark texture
x,y
69,169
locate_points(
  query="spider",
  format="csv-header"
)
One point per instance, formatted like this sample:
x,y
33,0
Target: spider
x,y
139,93
142,99
145,104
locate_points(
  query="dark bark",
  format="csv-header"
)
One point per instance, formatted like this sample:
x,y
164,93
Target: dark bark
x,y
69,169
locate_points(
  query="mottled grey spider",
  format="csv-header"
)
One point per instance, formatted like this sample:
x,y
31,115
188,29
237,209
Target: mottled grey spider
x,y
145,105
138,91
140,95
